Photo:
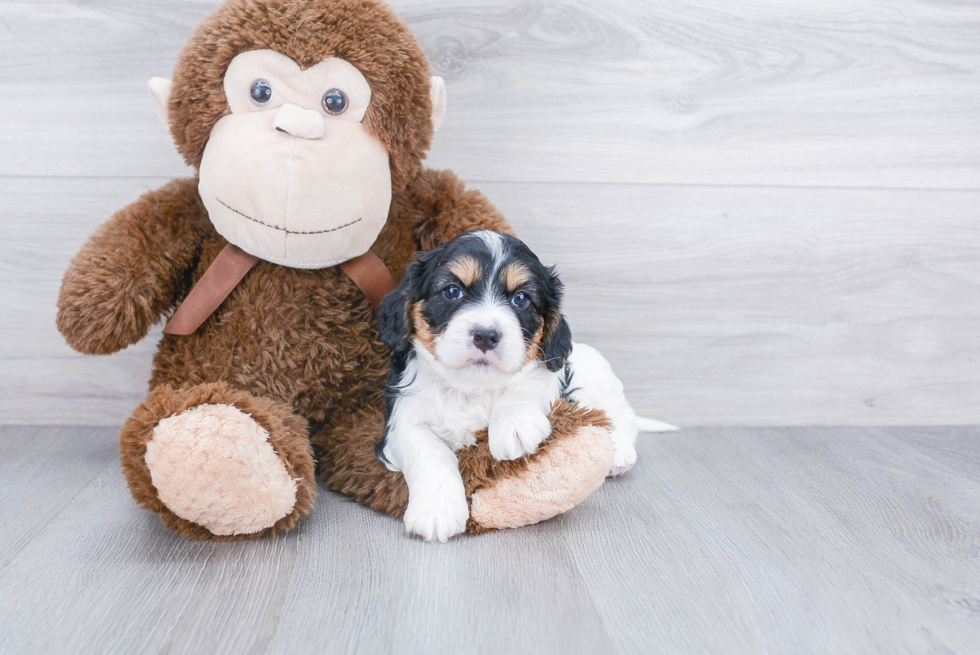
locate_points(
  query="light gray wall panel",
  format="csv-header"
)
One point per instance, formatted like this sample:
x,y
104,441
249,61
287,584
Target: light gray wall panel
x,y
765,211
844,93
778,306
722,305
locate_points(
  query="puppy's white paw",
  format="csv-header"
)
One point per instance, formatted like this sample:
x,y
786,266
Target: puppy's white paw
x,y
436,516
515,434
624,457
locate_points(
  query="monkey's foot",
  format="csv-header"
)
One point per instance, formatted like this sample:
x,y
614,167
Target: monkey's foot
x,y
571,464
218,462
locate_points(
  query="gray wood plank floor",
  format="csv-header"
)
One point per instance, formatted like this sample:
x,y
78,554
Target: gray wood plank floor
x,y
721,540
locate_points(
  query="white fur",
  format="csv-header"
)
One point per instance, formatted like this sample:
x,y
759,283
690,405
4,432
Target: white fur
x,y
495,243
596,386
438,411
465,364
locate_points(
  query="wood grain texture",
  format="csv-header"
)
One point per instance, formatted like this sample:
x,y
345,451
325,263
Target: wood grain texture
x,y
33,491
843,93
728,305
727,529
727,187
721,540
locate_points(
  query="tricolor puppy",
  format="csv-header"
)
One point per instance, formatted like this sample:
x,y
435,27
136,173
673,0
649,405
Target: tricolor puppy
x,y
478,340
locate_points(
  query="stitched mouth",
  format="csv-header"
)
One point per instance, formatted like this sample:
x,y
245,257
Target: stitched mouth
x,y
282,229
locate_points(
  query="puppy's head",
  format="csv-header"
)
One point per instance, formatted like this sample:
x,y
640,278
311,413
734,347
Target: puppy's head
x,y
481,307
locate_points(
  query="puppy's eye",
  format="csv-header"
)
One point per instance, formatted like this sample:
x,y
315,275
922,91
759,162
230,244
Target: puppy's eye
x,y
520,300
335,102
261,92
453,293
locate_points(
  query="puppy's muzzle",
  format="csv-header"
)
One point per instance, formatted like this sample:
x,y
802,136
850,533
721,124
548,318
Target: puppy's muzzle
x,y
486,338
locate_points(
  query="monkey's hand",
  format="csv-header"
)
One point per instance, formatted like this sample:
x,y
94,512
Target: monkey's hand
x,y
131,270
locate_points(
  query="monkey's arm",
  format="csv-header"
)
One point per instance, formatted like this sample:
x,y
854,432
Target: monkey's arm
x,y
131,270
443,208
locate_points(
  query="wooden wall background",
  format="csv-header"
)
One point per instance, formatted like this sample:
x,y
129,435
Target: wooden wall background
x,y
766,211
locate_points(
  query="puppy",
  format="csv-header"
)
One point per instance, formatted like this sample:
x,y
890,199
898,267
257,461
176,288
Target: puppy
x,y
478,340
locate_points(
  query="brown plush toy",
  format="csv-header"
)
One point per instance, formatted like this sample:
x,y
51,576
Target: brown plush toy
x,y
307,121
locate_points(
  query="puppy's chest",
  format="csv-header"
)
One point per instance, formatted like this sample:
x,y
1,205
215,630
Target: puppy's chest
x,y
455,415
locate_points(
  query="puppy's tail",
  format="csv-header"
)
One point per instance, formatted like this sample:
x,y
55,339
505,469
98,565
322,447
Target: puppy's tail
x,y
649,425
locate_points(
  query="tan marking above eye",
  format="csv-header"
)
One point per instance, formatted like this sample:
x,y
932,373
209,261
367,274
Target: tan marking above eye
x,y
466,269
514,275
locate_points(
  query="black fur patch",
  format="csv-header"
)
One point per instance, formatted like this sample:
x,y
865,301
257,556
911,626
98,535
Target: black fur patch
x,y
568,392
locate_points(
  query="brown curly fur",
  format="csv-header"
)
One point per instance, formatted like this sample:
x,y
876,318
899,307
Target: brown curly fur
x,y
289,346
132,270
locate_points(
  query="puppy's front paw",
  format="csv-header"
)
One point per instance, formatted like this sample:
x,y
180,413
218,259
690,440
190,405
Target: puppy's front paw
x,y
515,434
624,457
436,516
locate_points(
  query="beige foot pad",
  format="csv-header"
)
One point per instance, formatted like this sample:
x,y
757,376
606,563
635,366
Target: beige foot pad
x,y
555,481
214,465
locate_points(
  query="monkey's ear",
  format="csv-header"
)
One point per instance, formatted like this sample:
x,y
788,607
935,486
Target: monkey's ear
x,y
437,91
160,91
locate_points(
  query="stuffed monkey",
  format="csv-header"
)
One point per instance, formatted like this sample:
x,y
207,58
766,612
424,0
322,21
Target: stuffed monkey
x,y
307,122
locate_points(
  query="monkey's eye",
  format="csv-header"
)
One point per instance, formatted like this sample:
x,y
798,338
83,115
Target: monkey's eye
x,y
453,292
335,102
520,300
261,92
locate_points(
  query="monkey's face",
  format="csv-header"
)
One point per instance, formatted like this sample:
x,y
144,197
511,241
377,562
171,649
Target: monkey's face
x,y
301,118
291,175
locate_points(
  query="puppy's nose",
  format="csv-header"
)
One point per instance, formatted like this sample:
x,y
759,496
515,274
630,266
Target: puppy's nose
x,y
485,338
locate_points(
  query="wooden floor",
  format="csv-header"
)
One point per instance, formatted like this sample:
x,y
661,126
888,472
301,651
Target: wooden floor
x,y
721,540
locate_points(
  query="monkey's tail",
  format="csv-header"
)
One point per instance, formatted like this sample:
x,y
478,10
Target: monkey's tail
x,y
650,425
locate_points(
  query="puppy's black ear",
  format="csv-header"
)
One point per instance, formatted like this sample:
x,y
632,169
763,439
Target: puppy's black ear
x,y
557,345
557,342
394,321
